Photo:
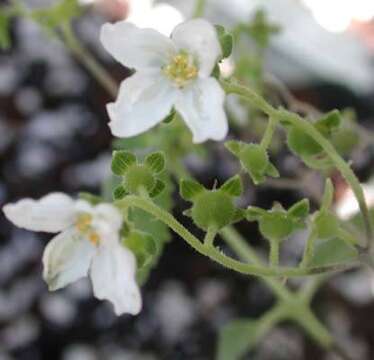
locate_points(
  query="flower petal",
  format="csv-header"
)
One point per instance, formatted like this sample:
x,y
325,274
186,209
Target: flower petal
x,y
52,213
144,100
136,48
66,258
108,215
199,37
201,106
113,278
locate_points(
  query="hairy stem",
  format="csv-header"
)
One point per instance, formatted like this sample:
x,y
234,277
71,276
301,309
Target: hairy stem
x,y
307,127
218,256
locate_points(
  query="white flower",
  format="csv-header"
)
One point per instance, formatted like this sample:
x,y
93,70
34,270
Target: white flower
x,y
89,242
170,72
161,16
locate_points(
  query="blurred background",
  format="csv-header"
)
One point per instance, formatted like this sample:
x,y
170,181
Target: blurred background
x,y
54,137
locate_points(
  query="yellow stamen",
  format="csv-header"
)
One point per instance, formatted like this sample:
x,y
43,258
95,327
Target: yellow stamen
x,y
94,238
181,69
84,226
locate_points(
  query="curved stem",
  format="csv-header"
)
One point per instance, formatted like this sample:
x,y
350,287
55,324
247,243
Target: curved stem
x,y
199,8
217,255
239,245
98,71
304,125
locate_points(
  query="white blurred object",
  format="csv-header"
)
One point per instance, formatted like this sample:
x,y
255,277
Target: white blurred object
x,y
347,205
161,17
337,15
304,52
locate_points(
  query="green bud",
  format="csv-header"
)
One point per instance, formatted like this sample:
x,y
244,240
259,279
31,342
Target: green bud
x,y
213,209
276,225
122,161
254,159
139,176
326,224
226,41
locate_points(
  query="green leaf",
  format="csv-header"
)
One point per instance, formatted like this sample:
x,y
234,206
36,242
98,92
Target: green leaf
x,y
272,171
121,161
236,339
276,225
299,210
58,14
156,162
142,245
226,41
255,161
326,224
301,143
332,251
235,147
4,30
329,123
261,30
158,188
233,186
119,192
254,213
189,189
170,117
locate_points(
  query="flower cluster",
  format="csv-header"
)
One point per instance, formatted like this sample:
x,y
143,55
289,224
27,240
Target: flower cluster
x,y
172,74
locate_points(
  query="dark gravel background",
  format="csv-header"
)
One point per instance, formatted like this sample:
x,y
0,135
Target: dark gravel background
x,y
54,137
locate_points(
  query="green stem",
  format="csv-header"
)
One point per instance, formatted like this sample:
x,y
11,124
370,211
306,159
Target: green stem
x,y
218,256
240,246
209,237
274,253
269,132
305,317
98,71
307,127
270,319
199,8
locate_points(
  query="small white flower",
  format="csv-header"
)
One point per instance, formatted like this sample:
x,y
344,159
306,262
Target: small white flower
x,y
88,243
170,72
161,16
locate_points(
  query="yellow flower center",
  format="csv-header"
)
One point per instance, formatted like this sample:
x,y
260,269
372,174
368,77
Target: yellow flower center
x,y
181,69
84,225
